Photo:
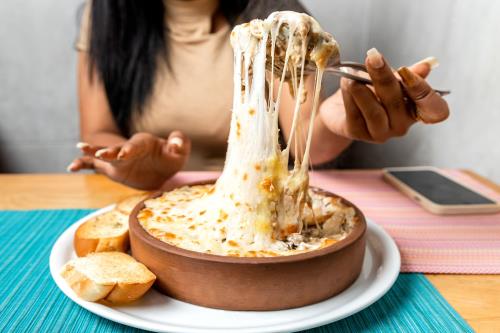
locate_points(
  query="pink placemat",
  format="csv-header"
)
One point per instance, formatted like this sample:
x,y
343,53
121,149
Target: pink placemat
x,y
428,243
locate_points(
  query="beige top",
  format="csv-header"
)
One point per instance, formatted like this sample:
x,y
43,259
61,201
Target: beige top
x,y
196,96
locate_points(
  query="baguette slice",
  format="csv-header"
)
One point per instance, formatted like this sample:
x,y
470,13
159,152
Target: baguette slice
x,y
128,204
103,233
111,276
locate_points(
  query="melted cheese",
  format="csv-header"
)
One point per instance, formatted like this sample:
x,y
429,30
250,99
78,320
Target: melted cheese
x,y
179,218
257,204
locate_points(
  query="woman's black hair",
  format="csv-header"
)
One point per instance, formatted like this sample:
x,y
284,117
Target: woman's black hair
x,y
127,41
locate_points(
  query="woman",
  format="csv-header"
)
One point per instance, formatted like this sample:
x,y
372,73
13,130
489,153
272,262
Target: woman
x,y
155,86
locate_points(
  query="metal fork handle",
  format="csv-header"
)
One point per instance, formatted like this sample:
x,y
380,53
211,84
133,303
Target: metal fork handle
x,y
352,64
336,70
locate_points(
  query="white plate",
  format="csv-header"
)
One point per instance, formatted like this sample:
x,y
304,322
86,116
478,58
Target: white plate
x,y
156,312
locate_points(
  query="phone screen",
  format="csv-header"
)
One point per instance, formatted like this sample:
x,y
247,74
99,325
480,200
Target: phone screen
x,y
439,189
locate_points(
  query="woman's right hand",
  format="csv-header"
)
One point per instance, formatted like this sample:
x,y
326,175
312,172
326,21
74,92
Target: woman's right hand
x,y
144,161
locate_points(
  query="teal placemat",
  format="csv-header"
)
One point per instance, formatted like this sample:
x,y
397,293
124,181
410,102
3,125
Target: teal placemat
x,y
31,302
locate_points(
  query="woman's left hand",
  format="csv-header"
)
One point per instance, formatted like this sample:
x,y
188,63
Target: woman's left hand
x,y
375,115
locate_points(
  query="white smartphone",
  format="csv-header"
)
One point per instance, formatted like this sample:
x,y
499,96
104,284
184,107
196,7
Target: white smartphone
x,y
438,193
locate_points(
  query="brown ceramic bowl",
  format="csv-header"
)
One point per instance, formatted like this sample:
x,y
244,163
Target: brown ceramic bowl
x,y
234,283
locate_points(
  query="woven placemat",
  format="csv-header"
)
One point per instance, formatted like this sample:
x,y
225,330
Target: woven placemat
x,y
31,302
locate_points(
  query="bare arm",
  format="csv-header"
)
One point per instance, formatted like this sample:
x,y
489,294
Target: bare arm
x,y
143,161
97,126
372,114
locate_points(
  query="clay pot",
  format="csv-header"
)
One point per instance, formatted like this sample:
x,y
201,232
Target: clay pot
x,y
234,283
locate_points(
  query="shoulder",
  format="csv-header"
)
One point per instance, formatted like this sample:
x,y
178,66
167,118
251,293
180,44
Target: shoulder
x,y
83,21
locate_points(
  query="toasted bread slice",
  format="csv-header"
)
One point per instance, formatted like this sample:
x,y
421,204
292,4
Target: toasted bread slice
x,y
111,276
103,233
128,204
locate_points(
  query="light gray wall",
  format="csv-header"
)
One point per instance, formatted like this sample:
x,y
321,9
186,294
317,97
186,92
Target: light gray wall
x,y
38,117
465,37
38,123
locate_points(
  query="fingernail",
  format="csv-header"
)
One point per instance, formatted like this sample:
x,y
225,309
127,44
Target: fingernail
x,y
81,145
100,152
407,76
176,141
431,61
375,59
70,167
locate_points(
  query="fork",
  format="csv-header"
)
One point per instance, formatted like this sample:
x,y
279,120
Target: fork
x,y
337,69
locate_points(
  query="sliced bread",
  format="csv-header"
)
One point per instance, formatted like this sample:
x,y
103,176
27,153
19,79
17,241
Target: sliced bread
x,y
111,276
103,233
128,204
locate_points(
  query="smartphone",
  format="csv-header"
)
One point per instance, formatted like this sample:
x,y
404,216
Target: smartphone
x,y
438,193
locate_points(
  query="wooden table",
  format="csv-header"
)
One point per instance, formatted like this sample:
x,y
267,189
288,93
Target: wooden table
x,y
475,297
